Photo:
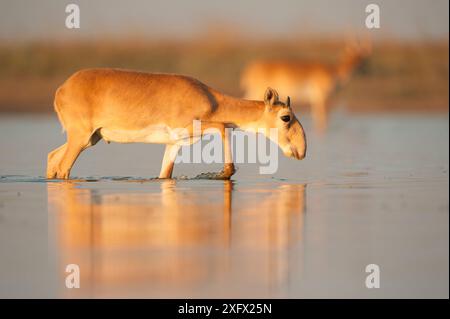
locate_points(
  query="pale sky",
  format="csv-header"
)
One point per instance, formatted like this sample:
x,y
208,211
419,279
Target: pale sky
x,y
412,19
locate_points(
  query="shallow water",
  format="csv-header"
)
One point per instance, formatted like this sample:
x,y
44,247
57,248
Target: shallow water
x,y
372,190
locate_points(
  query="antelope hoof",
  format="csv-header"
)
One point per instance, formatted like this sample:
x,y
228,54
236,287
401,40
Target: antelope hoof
x,y
62,175
228,171
51,175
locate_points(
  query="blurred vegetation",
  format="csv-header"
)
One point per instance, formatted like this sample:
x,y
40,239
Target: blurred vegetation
x,y
398,76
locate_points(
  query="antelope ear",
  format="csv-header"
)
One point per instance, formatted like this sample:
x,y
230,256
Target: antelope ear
x,y
271,96
288,102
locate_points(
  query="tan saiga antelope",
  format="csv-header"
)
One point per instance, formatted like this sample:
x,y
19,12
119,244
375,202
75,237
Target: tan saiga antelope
x,y
308,83
127,107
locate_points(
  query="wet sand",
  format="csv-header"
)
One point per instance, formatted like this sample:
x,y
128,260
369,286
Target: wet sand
x,y
373,189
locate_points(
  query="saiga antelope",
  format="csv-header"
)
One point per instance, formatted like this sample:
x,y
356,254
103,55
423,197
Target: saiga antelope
x,y
126,106
310,83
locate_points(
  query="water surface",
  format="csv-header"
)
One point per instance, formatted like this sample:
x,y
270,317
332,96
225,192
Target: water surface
x,y
373,189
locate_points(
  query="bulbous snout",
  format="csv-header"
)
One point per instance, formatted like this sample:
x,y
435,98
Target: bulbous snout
x,y
296,147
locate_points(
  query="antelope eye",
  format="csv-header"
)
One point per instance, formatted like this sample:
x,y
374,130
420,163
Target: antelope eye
x,y
286,118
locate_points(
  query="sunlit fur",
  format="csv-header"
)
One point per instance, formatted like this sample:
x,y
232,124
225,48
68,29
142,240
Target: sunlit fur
x,y
126,106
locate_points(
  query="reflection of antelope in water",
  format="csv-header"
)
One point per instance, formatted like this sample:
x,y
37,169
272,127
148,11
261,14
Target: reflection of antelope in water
x,y
310,83
104,234
173,241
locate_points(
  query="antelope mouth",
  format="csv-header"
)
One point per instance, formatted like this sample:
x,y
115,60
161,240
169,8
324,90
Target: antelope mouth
x,y
295,154
299,156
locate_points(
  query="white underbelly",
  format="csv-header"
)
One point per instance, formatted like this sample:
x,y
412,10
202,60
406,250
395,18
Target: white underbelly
x,y
159,134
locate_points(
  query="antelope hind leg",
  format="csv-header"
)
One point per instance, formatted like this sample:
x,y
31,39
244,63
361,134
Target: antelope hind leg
x,y
53,159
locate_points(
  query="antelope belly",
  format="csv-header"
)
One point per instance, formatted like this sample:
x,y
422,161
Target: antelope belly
x,y
153,134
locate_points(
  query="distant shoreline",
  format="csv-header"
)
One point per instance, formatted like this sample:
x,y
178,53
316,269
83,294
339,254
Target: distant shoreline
x,y
398,77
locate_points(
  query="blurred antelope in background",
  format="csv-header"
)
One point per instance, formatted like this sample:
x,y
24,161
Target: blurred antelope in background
x,y
309,83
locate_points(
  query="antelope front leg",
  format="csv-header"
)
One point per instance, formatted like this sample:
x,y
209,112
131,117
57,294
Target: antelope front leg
x,y
170,154
228,168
